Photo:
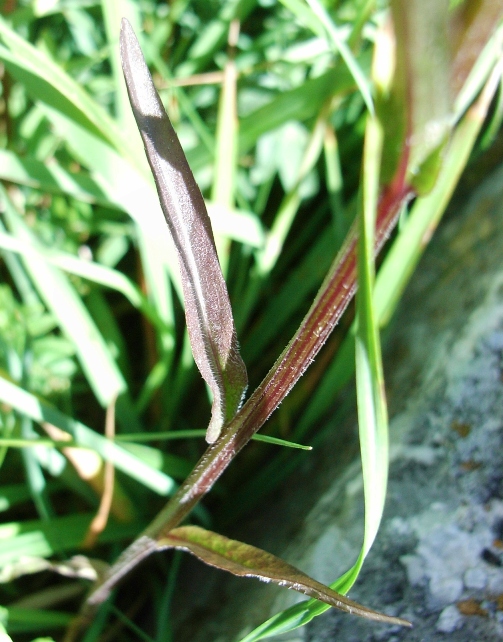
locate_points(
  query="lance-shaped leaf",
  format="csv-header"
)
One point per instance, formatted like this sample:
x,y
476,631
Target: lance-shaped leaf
x,y
207,307
248,561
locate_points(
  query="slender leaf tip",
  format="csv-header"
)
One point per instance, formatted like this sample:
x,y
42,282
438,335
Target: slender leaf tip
x,y
208,312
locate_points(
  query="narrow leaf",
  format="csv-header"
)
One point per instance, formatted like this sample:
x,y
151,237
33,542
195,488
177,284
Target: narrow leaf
x,y
47,82
63,301
248,561
38,410
207,307
421,87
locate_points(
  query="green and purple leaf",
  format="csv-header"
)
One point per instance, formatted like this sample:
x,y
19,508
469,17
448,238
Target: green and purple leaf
x,y
210,322
248,561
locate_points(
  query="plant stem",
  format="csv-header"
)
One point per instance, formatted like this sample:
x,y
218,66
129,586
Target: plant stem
x,y
332,300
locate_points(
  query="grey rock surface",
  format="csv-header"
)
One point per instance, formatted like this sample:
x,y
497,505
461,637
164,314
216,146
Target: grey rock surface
x,y
438,557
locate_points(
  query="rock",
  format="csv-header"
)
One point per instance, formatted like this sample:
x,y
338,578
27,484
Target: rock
x,y
475,578
450,619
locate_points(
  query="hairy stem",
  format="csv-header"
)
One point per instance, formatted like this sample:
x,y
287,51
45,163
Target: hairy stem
x,y
332,300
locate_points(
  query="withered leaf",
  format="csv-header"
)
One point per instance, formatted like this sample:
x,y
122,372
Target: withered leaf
x,y
248,561
207,307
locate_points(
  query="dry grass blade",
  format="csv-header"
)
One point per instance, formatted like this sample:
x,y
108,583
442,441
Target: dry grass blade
x,y
208,311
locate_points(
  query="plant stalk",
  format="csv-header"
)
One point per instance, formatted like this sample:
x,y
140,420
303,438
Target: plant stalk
x,y
332,300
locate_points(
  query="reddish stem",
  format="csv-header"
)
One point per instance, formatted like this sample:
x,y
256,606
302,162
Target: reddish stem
x,y
332,300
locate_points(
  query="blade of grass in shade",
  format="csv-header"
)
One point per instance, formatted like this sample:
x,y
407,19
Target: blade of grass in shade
x,y
45,81
13,494
27,404
24,621
335,183
163,607
495,121
89,270
135,195
213,36
50,177
224,172
208,311
113,11
248,561
128,624
61,298
301,282
153,382
266,258
189,434
333,33
34,475
41,538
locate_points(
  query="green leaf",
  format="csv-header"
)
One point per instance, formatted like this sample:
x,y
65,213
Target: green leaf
x,y
40,411
371,400
45,81
90,270
334,36
75,321
22,620
214,34
51,178
248,561
42,538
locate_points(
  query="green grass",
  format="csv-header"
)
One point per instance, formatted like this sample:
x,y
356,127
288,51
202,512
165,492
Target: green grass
x,y
91,308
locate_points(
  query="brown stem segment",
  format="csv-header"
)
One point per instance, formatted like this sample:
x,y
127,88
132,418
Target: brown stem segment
x,y
333,298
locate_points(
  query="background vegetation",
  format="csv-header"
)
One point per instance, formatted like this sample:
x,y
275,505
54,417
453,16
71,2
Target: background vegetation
x,y
270,102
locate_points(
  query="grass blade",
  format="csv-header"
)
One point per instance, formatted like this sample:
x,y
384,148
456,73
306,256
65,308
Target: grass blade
x,y
60,297
362,83
27,404
49,83
50,178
